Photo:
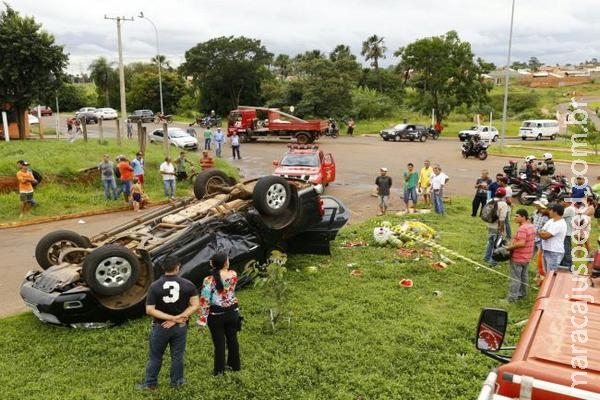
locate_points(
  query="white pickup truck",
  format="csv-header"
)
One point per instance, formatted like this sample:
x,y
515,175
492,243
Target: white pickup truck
x,y
485,132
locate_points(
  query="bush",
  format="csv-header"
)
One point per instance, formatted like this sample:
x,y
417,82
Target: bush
x,y
368,103
518,102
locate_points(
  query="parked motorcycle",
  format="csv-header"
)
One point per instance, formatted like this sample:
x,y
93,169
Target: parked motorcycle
x,y
161,119
206,122
531,191
433,134
478,150
333,129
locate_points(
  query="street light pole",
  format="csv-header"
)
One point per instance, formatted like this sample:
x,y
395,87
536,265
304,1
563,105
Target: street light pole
x,y
505,105
162,110
121,78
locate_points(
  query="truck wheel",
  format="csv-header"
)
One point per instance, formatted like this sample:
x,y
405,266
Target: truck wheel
x,y
302,138
111,269
271,195
48,249
209,182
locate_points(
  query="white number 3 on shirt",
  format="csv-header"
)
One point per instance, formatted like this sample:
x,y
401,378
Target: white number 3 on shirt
x,y
173,288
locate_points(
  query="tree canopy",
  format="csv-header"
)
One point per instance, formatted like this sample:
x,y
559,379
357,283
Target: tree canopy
x,y
32,64
228,71
443,74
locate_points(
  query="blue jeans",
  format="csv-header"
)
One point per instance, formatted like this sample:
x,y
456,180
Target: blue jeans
x,y
218,149
207,144
489,248
160,337
169,185
125,189
438,201
110,188
410,194
552,260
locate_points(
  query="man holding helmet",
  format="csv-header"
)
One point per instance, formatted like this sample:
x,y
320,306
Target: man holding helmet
x,y
530,168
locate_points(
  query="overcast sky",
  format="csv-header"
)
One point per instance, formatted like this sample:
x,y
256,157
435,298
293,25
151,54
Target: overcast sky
x,y
555,31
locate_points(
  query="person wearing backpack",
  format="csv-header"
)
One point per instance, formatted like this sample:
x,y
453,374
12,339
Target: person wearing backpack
x,y
494,213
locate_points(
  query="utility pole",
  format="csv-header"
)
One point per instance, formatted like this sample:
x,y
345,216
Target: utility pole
x,y
506,77
121,77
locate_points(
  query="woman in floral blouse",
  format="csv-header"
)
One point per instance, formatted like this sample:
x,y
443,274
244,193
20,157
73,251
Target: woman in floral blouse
x,y
219,309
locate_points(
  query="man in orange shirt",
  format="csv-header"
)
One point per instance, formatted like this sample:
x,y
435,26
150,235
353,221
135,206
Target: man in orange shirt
x,y
206,161
126,172
26,180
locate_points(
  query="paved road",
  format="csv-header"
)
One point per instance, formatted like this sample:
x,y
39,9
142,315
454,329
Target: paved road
x,y
358,161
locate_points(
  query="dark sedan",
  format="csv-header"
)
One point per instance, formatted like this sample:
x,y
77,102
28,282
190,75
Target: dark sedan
x,y
88,116
105,278
410,132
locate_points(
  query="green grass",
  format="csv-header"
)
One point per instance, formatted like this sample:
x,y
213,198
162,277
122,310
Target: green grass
x,y
349,338
59,162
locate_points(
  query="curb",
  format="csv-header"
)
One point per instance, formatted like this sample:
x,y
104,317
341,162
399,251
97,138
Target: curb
x,y
43,220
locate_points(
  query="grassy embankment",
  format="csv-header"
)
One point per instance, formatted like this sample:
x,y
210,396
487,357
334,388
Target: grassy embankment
x,y
350,337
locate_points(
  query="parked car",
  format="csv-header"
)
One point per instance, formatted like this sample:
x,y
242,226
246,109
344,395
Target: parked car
x,y
177,137
88,116
106,113
106,277
87,109
33,119
44,111
307,162
485,132
410,132
141,115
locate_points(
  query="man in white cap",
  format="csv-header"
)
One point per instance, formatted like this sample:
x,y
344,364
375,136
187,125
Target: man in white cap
x,y
383,183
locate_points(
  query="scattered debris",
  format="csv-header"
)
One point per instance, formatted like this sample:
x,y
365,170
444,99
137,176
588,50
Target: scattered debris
x,y
437,293
406,283
81,221
356,272
355,243
439,265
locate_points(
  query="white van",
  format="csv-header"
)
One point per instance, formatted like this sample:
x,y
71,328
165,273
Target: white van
x,y
538,129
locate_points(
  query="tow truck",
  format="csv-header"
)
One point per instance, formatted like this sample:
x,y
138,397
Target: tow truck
x,y
557,356
307,162
252,123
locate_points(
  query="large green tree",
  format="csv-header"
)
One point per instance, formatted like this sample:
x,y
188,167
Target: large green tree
x,y
228,71
443,73
32,64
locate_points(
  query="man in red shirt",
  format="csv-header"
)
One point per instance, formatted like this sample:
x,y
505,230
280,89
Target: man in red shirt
x,y
521,249
126,172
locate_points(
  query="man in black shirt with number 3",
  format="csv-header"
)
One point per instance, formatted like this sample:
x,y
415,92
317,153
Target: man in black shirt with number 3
x,y
171,301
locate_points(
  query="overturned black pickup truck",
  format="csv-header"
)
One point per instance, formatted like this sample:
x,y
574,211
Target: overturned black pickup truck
x,y
104,279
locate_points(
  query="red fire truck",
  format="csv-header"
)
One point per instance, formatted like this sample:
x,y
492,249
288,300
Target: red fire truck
x,y
252,123
558,354
307,162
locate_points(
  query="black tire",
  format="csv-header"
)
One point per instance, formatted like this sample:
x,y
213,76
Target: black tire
x,y
461,139
272,195
397,138
47,251
111,269
495,138
464,154
553,137
538,137
386,139
302,138
523,138
422,138
208,182
482,155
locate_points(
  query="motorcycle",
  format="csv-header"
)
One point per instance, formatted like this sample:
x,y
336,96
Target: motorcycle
x,y
333,129
206,122
161,119
478,150
433,133
531,191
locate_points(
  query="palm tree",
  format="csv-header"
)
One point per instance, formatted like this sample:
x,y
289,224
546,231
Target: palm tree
x,y
374,49
282,63
101,74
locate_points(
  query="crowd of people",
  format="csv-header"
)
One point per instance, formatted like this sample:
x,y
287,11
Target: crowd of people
x,y
429,182
544,237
